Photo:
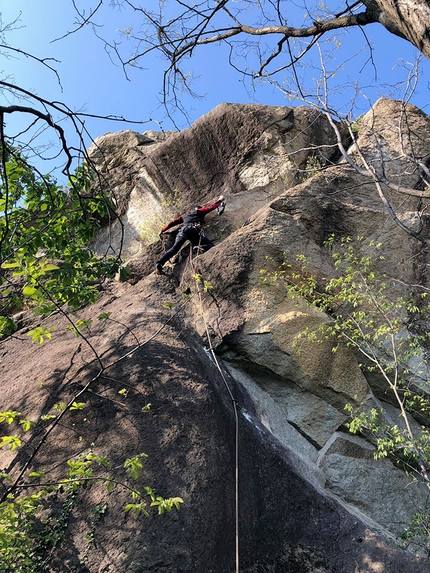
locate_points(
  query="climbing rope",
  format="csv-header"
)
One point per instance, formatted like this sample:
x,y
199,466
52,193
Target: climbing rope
x,y
189,264
236,417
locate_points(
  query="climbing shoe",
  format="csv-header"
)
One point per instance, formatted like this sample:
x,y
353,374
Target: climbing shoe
x,y
159,269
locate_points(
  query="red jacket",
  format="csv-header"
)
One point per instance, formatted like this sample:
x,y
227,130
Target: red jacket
x,y
195,216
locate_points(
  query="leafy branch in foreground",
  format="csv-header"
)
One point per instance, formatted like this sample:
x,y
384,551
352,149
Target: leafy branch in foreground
x,y
46,266
45,231
368,314
30,530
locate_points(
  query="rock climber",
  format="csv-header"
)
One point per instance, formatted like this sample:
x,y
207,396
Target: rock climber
x,y
191,230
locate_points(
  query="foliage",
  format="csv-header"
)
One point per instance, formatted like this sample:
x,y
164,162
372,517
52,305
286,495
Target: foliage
x,y
36,505
33,525
314,165
356,124
46,265
367,315
200,281
17,532
417,534
44,236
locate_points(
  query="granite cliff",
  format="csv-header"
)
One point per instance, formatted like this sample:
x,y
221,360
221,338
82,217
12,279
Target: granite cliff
x,y
310,496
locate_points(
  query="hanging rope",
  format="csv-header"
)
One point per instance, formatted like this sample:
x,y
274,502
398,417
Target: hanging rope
x,y
233,401
236,417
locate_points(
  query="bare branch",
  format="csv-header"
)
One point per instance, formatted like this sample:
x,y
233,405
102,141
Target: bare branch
x,y
85,20
43,61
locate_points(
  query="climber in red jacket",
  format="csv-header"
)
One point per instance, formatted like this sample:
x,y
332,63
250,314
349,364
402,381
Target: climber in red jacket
x,y
190,231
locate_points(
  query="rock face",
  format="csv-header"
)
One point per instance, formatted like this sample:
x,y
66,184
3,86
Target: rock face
x,y
312,498
249,152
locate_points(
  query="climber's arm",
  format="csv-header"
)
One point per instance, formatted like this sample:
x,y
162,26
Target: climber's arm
x,y
172,223
210,208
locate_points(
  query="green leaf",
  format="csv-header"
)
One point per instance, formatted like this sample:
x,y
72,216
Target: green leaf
x,y
29,291
60,406
77,406
48,267
8,416
12,441
134,465
26,424
104,315
136,508
40,334
36,474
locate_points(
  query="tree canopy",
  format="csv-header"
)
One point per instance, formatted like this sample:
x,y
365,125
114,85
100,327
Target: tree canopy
x,y
268,40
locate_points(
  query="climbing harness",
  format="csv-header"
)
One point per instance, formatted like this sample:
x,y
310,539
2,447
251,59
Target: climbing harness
x,y
196,226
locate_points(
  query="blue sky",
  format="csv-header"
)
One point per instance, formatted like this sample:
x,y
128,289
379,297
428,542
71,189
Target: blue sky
x,y
91,82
